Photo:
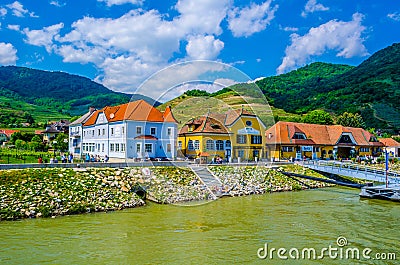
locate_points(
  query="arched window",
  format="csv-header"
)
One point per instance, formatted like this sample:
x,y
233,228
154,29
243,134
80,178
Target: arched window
x,y
219,144
197,145
190,145
228,144
210,145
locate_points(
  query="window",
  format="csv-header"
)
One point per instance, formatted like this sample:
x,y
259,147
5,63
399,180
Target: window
x,y
364,149
299,136
219,145
123,130
138,148
287,148
112,131
210,145
179,144
228,144
345,139
169,131
122,147
248,123
153,130
169,148
196,144
138,130
148,148
92,133
241,153
111,147
104,131
190,145
256,139
241,139
316,148
98,132
116,147
102,147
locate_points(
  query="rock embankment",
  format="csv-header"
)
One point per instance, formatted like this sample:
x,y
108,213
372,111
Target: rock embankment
x,y
30,193
239,181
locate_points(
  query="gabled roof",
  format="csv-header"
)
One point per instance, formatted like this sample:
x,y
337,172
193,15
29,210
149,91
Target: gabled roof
x,y
389,142
84,118
283,132
138,110
204,124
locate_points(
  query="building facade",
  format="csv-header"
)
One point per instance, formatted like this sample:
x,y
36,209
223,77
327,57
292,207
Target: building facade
x,y
232,135
391,146
135,130
286,140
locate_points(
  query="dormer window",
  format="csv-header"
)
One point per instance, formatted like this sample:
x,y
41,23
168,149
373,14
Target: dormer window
x,y
299,136
215,126
373,139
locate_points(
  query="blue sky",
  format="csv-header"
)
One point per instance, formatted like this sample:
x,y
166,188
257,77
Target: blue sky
x,y
121,43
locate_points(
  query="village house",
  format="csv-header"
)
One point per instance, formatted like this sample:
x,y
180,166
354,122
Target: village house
x,y
135,130
53,129
391,146
236,134
286,140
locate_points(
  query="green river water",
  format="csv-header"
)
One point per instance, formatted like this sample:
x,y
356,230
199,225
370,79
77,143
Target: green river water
x,y
226,231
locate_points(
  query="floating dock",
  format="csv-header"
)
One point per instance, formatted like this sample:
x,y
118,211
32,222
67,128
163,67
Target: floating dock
x,y
391,192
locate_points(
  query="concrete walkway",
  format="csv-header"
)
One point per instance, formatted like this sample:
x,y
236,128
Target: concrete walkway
x,y
212,182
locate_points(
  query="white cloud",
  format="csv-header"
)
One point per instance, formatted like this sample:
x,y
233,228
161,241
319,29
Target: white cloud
x,y
13,27
344,37
312,6
249,20
3,11
395,16
129,48
18,10
121,2
258,60
57,3
201,16
43,37
293,29
8,54
203,47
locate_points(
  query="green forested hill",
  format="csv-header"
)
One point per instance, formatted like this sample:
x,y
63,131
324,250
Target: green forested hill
x,y
372,88
45,95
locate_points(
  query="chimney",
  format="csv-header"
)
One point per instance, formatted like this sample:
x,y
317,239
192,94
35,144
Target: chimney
x,y
91,109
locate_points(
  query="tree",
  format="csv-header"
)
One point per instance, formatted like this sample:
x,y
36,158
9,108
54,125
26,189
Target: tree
x,y
36,143
61,142
349,119
318,117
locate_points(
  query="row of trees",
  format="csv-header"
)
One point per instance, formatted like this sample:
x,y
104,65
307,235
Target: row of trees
x,y
32,142
346,119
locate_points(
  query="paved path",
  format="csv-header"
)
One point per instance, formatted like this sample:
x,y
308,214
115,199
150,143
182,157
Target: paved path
x,y
212,182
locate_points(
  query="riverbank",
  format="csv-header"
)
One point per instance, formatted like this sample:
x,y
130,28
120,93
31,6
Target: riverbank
x,y
51,192
240,181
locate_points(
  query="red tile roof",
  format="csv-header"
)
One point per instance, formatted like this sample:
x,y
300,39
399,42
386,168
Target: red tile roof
x,y
215,122
138,110
8,132
389,142
283,132
204,124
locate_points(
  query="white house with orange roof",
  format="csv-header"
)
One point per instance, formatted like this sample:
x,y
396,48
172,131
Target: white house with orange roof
x,y
135,130
391,146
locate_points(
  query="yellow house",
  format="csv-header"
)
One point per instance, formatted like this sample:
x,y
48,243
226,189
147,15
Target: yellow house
x,y
232,135
287,140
